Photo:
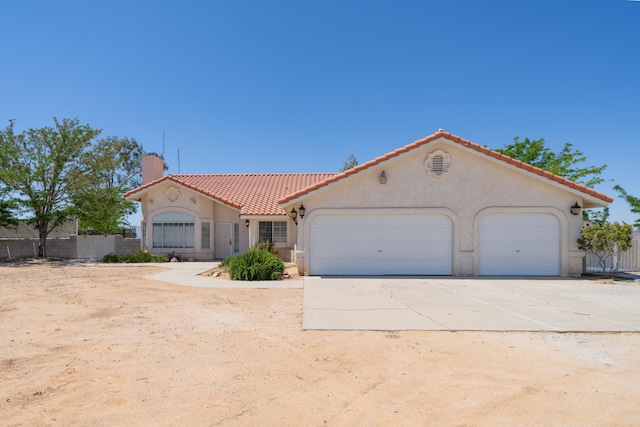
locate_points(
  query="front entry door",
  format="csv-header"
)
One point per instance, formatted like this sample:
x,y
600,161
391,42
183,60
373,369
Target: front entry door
x,y
224,240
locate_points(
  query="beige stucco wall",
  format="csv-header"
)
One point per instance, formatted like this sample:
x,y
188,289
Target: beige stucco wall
x,y
473,187
170,197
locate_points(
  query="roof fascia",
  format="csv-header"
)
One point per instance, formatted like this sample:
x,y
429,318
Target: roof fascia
x,y
163,180
442,137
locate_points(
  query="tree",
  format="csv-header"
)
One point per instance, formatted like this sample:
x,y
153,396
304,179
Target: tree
x,y
607,241
8,207
113,167
565,163
350,163
44,166
634,202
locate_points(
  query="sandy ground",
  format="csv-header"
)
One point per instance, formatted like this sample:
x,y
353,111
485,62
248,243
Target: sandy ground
x,y
103,346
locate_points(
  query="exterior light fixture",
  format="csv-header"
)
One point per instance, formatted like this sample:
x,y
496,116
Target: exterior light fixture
x,y
246,223
575,209
302,211
383,177
294,215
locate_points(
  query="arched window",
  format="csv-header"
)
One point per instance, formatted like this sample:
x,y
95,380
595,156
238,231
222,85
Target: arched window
x,y
173,230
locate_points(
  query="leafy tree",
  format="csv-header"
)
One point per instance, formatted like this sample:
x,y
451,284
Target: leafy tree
x,y
634,202
8,207
607,241
113,166
565,163
44,166
350,163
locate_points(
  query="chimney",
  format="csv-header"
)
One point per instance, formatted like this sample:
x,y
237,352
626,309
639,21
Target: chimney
x,y
152,168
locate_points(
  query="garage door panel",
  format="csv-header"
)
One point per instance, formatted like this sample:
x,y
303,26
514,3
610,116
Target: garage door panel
x,y
375,244
519,244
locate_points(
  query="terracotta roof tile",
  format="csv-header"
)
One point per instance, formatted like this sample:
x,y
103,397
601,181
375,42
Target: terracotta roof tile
x,y
252,194
456,139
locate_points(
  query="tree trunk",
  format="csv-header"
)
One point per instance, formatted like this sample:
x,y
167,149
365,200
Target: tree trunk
x,y
42,234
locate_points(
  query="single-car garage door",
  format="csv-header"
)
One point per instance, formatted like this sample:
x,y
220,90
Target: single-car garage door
x,y
519,245
378,244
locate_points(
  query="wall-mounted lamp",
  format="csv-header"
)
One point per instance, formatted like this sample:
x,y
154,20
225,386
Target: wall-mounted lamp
x,y
294,215
246,223
383,177
302,211
575,209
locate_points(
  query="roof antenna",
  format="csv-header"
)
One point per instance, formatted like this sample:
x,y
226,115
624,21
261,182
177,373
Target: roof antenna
x,y
178,151
163,143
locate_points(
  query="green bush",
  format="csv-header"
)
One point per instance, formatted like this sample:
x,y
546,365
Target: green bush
x,y
256,264
137,257
265,245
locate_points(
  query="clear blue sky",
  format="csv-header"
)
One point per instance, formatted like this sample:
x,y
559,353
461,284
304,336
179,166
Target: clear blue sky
x,y
296,86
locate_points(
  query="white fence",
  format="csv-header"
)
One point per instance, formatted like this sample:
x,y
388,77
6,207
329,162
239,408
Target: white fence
x,y
629,260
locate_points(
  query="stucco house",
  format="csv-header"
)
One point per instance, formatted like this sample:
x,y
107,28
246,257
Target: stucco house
x,y
441,205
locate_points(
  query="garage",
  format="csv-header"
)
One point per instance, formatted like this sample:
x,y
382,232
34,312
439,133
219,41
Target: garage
x,y
519,245
366,244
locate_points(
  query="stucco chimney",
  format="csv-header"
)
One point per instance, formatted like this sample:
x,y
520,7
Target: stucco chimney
x,y
152,168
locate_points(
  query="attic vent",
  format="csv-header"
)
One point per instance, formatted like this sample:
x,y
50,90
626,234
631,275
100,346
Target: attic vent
x,y
438,163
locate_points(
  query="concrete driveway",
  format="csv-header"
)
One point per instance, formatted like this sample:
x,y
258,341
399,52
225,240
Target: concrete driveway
x,y
470,304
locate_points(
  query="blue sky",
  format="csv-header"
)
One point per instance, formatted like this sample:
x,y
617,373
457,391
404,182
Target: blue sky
x,y
296,86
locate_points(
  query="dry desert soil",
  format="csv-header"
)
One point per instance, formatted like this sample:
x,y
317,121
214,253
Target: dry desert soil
x,y
102,345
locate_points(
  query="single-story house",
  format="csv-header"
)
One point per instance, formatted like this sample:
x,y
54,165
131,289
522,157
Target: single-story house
x,y
441,205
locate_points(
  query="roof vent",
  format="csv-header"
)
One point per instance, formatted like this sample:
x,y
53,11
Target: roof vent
x,y
438,163
440,130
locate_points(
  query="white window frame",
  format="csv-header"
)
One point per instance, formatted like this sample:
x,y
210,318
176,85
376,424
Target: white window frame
x,y
173,230
276,228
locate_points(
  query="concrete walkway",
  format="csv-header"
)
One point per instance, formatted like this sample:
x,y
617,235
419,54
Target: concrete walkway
x,y
187,274
470,304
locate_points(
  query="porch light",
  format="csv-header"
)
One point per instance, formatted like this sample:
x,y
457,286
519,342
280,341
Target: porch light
x,y
294,215
246,223
575,209
302,211
383,177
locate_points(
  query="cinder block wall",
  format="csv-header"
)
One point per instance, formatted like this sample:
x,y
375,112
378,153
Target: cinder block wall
x,y
126,246
75,247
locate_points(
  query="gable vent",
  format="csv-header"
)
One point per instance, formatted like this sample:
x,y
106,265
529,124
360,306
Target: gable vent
x,y
438,165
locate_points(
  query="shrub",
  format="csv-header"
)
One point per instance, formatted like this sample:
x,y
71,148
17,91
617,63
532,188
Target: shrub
x,y
256,264
137,257
265,245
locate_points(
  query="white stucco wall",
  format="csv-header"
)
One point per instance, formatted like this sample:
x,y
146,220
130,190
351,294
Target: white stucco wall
x,y
474,186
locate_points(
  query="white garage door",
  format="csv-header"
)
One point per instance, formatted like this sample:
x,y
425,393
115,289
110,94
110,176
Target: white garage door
x,y
378,244
519,245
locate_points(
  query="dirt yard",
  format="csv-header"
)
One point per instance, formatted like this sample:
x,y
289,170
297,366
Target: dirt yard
x,y
101,345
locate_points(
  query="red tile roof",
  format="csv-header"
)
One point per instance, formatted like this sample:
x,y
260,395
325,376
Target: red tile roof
x,y
252,194
456,139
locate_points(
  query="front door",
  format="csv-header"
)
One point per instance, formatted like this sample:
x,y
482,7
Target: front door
x,y
224,240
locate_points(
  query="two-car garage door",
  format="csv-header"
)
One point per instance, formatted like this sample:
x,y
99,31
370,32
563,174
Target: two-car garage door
x,y
379,243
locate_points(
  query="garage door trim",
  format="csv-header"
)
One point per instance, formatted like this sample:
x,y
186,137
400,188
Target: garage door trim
x,y
558,214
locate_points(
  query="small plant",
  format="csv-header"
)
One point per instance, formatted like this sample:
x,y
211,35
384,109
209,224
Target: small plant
x,y
137,257
256,264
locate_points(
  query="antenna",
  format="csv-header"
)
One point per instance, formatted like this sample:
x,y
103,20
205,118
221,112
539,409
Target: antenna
x,y
178,151
163,143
